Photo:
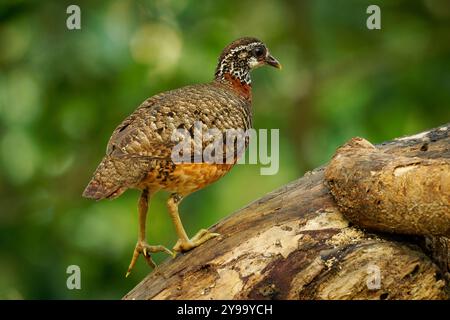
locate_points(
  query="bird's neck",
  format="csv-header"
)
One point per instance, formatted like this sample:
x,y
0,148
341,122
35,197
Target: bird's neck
x,y
236,69
238,77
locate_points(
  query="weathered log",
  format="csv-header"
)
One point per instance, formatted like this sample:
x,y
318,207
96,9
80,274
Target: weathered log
x,y
390,192
295,243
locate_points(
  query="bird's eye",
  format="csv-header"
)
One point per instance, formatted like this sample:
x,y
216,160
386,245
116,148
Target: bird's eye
x,y
259,51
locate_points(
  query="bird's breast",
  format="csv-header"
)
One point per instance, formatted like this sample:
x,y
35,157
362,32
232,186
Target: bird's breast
x,y
185,178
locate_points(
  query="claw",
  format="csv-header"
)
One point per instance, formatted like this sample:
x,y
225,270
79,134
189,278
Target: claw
x,y
201,237
145,249
150,261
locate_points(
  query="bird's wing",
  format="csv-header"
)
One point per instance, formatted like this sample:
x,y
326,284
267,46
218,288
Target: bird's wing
x,y
148,131
138,134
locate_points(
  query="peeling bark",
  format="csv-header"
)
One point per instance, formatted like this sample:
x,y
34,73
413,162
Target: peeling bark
x,y
295,243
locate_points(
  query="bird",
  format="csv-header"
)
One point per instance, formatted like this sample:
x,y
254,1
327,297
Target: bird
x,y
139,151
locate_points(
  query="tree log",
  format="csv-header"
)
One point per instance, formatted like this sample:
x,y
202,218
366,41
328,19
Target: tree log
x,y
390,192
299,242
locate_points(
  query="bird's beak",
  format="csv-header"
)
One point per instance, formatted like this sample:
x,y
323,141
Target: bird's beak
x,y
271,61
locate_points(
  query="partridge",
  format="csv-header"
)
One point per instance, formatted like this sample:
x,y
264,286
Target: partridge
x,y
139,153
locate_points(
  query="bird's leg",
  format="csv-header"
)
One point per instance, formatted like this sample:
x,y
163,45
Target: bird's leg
x,y
142,247
184,243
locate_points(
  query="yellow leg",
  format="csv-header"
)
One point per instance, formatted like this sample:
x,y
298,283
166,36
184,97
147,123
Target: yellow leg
x,y
142,247
184,243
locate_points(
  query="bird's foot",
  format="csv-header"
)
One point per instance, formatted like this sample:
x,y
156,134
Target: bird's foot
x,y
145,249
202,236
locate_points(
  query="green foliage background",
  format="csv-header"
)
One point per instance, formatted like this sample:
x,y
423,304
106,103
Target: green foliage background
x,y
63,92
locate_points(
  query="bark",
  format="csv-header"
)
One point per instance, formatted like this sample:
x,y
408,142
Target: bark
x,y
305,240
391,192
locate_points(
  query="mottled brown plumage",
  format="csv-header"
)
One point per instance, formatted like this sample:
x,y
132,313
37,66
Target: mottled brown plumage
x,y
139,152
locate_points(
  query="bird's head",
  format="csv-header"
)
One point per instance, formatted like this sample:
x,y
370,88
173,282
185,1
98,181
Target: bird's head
x,y
241,56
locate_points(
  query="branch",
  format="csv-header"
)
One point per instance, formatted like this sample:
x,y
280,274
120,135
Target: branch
x,y
295,243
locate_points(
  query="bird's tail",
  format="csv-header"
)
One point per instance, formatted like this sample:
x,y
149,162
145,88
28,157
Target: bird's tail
x,y
114,175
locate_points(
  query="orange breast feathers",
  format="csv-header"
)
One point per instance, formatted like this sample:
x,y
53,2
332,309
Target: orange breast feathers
x,y
186,178
242,88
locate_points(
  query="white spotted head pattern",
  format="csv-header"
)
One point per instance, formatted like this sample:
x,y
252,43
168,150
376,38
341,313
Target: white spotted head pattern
x,y
240,57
